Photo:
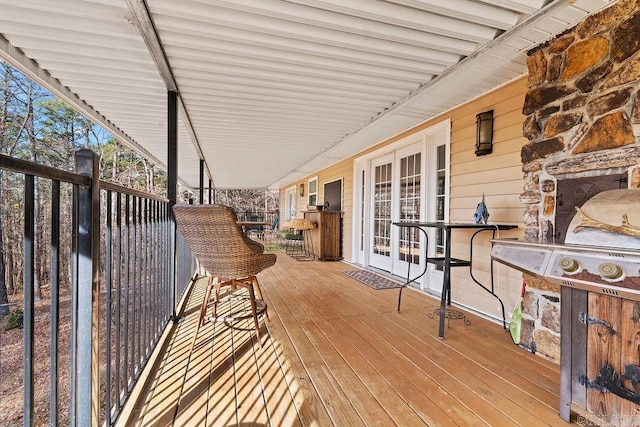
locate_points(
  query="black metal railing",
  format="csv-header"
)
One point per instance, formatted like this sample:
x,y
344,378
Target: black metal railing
x,y
104,324
271,218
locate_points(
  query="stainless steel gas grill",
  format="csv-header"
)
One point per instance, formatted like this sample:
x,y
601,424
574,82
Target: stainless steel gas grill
x,y
598,268
603,270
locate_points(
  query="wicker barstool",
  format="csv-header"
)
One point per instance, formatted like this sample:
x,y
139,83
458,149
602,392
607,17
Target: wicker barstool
x,y
223,251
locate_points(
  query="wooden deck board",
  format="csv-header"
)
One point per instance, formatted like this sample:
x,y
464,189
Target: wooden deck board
x,y
445,372
279,397
302,329
483,381
357,364
311,411
367,407
338,353
357,378
424,405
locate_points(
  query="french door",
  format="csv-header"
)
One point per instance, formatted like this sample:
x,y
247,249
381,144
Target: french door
x,y
381,212
409,183
396,195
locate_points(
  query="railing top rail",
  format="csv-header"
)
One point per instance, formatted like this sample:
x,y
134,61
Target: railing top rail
x,y
30,168
42,171
104,185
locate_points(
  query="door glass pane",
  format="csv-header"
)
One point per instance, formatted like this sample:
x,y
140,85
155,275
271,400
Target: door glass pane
x,y
409,208
382,210
440,197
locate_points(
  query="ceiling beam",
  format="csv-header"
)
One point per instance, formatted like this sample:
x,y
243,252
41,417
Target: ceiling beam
x,y
142,19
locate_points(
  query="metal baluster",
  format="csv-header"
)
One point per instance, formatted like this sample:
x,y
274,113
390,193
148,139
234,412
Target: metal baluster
x,y
146,282
156,249
54,309
134,286
161,265
74,304
138,288
118,270
108,308
166,259
29,299
127,274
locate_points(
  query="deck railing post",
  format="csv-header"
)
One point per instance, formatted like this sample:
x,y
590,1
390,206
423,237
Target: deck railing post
x,y
201,192
172,193
86,385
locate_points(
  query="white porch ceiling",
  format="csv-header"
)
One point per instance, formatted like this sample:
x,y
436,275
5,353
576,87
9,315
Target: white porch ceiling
x,y
272,90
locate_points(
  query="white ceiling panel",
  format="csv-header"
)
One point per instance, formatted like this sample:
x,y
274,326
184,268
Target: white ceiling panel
x,y
272,90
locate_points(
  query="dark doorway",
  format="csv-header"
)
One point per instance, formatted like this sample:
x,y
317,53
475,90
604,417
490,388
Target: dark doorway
x,y
333,195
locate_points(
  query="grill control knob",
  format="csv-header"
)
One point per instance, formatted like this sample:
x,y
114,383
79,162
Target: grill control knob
x,y
610,271
569,265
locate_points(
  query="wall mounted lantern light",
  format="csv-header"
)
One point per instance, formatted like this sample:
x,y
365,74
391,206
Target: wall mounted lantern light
x,y
484,133
301,190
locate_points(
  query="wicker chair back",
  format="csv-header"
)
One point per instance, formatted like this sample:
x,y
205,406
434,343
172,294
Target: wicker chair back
x,y
218,243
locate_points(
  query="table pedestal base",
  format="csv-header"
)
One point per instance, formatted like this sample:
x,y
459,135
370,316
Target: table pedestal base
x,y
450,313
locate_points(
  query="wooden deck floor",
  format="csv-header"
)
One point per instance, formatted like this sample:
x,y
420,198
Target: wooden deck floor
x,y
338,353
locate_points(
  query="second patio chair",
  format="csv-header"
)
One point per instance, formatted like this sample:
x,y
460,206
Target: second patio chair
x,y
223,251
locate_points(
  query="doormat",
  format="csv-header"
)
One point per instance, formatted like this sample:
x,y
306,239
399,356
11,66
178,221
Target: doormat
x,y
373,280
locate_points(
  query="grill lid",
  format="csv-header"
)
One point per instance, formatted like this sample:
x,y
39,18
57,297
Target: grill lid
x,y
609,219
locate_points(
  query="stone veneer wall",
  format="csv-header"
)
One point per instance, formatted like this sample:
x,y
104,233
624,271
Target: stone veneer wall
x,y
582,119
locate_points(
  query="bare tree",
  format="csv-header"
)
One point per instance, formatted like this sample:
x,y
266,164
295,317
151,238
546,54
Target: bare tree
x,y
36,126
148,174
4,297
13,123
33,150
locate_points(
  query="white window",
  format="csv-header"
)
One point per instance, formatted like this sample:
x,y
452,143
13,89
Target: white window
x,y
313,191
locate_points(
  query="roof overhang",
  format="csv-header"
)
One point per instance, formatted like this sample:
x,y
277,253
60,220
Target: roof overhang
x,y
272,91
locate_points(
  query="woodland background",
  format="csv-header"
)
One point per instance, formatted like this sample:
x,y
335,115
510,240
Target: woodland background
x,y
36,126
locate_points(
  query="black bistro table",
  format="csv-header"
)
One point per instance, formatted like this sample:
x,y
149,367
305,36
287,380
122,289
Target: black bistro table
x,y
446,262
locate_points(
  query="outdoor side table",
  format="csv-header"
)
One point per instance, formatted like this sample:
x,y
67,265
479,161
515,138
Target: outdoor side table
x,y
446,262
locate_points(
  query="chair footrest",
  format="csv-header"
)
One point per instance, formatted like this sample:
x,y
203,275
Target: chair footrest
x,y
454,262
289,235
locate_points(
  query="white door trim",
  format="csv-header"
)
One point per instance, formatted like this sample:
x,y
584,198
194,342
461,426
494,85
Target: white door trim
x,y
290,196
